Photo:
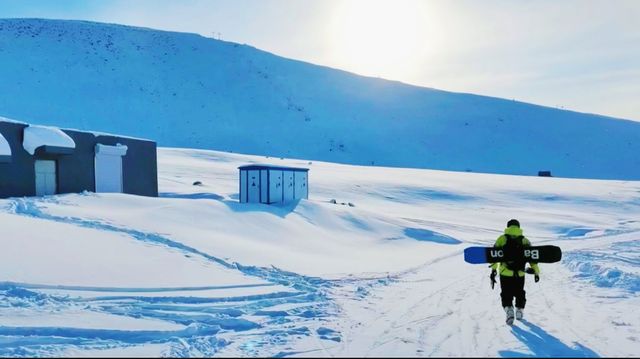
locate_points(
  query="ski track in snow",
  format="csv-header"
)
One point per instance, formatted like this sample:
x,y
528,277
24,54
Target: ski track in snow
x,y
407,319
412,327
211,324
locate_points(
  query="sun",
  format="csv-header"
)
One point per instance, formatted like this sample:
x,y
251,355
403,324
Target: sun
x,y
378,37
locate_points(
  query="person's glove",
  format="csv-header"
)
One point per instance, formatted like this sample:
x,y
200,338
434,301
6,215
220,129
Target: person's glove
x,y
530,270
536,278
493,277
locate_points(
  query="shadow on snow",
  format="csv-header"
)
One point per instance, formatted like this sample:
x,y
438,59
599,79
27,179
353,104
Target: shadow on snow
x,y
543,344
279,209
198,195
429,236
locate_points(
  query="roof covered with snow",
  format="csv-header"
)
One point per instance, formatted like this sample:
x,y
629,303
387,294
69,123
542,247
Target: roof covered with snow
x,y
117,150
37,136
4,119
271,167
94,133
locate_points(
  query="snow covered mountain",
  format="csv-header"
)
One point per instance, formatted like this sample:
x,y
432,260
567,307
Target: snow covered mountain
x,y
185,90
196,273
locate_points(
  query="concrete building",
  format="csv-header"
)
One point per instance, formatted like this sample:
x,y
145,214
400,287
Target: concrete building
x,y
42,160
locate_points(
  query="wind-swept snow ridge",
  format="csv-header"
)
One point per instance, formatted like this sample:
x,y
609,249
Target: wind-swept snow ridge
x,y
28,207
201,312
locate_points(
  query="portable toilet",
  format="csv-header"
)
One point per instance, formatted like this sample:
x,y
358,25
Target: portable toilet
x,y
273,184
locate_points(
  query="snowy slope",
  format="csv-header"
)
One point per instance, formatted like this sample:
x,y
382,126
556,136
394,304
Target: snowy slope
x,y
184,90
195,273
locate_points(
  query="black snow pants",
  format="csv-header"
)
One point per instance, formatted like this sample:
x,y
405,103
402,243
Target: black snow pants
x,y
512,287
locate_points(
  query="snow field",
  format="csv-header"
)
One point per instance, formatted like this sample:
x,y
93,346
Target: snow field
x,y
195,273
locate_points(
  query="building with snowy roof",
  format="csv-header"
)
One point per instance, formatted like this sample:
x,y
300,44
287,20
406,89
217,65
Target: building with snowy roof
x,y
44,160
273,184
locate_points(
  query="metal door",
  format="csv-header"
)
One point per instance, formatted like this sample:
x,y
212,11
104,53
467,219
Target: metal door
x,y
275,186
46,179
302,192
243,186
254,186
288,186
108,173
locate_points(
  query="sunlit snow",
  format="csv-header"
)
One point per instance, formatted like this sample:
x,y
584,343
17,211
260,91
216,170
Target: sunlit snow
x,y
194,272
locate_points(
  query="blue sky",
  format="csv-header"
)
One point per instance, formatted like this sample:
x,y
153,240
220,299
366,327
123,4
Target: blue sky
x,y
582,55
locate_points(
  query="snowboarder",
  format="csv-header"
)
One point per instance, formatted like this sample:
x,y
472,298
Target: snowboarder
x,y
512,272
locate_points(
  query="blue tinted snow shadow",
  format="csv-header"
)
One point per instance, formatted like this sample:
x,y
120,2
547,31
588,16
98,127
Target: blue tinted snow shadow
x,y
578,200
404,194
545,345
441,195
12,285
278,209
575,232
328,334
125,336
356,222
582,232
426,235
200,195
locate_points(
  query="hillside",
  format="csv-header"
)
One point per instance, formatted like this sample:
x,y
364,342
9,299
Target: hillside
x,y
185,90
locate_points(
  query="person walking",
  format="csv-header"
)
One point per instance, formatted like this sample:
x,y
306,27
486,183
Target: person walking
x,y
512,272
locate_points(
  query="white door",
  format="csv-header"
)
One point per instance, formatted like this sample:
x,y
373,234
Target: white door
x,y
45,177
108,173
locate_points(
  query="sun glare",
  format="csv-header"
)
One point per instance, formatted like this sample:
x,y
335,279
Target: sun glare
x,y
379,37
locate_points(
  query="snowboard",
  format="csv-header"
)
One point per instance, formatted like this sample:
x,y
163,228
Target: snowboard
x,y
536,254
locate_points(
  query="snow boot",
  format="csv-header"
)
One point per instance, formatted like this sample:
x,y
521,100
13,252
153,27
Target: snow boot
x,y
519,313
509,311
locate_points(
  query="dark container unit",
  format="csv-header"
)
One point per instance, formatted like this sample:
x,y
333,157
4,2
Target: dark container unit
x,y
273,184
46,160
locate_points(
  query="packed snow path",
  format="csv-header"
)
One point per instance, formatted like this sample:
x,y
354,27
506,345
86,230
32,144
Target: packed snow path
x,y
439,311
